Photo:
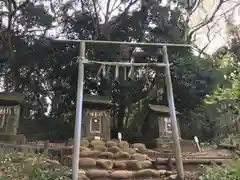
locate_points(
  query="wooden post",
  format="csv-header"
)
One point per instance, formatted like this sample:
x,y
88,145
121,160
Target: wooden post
x,y
175,133
79,109
45,149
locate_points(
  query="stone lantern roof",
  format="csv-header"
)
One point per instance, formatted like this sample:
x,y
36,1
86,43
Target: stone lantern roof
x,y
161,109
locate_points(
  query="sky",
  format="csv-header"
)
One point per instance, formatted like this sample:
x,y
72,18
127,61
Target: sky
x,y
217,34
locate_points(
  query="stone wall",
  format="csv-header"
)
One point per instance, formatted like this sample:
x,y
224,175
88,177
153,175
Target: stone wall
x,y
114,160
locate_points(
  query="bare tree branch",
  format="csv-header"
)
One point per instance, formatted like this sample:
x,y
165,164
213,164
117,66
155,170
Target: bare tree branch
x,y
107,11
207,19
96,23
113,8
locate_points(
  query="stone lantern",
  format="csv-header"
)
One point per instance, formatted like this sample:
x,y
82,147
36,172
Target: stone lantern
x,y
161,114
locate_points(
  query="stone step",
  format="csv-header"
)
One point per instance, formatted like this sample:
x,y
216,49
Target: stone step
x,y
109,164
124,174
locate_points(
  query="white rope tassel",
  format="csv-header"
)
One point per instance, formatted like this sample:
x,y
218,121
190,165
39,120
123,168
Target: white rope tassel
x,y
131,71
99,71
147,79
107,71
141,72
104,71
116,72
125,73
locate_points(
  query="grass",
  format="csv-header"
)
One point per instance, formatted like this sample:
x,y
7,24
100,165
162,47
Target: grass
x,y
19,166
229,171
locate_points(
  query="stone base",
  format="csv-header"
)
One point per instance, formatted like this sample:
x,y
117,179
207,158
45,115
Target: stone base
x,y
13,139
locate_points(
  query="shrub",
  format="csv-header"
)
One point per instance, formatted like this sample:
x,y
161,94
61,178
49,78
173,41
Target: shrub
x,y
19,166
229,171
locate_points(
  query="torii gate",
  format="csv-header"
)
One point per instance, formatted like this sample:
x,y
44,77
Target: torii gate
x,y
168,82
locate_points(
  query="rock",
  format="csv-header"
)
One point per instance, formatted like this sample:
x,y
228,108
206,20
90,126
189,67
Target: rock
x,y
89,138
97,142
51,164
96,153
123,144
146,164
99,148
82,177
104,164
111,144
114,149
121,165
87,162
129,150
84,143
134,165
173,177
82,148
106,155
161,167
141,147
146,173
80,171
87,153
139,157
122,155
121,174
95,173
168,173
70,142
162,172
3,172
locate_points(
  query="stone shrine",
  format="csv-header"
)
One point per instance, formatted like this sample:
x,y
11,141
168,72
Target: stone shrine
x,y
96,117
10,109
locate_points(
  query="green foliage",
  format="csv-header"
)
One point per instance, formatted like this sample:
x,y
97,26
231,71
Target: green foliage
x,y
227,172
32,167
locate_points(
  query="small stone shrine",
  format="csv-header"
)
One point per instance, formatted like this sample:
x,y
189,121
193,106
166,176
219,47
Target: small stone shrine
x,y
164,140
96,117
161,114
10,108
11,104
